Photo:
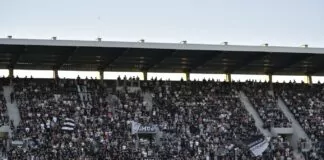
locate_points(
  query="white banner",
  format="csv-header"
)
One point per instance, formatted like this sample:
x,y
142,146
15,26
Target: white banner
x,y
135,127
139,128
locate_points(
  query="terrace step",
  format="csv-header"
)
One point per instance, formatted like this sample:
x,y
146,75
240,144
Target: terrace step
x,y
12,108
298,130
258,121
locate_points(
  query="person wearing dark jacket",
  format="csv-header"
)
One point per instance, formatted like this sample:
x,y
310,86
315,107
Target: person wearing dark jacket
x,y
12,97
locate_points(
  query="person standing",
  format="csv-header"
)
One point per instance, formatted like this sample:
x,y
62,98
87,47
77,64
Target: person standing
x,y
12,97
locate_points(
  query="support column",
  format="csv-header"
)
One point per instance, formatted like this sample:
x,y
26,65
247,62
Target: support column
x,y
145,75
270,81
309,79
187,76
132,82
55,74
101,72
228,77
11,74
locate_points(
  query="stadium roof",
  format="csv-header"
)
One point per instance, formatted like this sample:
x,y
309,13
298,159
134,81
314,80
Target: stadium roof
x,y
159,57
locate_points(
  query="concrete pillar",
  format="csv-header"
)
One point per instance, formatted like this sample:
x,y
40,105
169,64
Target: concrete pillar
x,y
270,78
11,72
270,81
187,76
145,75
101,73
55,74
309,79
228,77
11,75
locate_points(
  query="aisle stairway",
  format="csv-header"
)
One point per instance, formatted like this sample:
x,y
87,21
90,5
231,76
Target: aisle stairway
x,y
87,94
148,99
298,130
297,133
83,93
80,93
258,121
12,108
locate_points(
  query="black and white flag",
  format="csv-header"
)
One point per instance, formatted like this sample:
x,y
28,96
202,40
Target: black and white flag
x,y
68,124
259,145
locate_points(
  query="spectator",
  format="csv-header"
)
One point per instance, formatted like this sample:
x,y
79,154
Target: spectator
x,y
12,97
265,104
79,119
306,103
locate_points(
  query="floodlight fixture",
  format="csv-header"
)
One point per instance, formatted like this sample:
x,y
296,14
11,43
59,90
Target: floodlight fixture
x,y
184,42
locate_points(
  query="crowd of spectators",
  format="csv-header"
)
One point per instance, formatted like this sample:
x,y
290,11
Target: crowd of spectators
x,y
280,148
99,130
206,119
195,120
42,106
306,103
4,118
265,104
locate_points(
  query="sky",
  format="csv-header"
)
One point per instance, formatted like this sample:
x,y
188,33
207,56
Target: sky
x,y
248,22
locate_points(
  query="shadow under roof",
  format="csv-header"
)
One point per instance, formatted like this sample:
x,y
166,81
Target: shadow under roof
x,y
159,57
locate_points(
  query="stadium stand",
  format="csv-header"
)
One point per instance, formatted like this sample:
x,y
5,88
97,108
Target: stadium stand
x,y
4,119
199,120
305,102
265,104
197,106
131,118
